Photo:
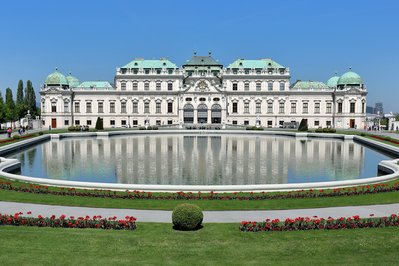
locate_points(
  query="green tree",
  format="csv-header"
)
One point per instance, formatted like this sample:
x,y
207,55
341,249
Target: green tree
x,y
99,123
303,126
2,109
20,107
10,106
20,92
30,98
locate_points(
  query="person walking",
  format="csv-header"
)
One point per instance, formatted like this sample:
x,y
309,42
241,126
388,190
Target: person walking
x,y
9,131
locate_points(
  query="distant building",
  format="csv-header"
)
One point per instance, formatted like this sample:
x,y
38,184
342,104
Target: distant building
x,y
204,92
379,109
370,110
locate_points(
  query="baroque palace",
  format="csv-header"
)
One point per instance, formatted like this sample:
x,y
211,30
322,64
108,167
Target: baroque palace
x,y
204,92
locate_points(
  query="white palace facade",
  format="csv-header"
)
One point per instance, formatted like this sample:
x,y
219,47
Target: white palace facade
x,y
203,92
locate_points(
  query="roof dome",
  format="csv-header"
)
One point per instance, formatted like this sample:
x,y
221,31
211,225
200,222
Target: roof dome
x,y
333,81
350,78
72,81
56,78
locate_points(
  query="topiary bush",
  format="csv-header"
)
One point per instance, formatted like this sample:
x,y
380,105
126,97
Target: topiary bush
x,y
99,123
303,126
187,217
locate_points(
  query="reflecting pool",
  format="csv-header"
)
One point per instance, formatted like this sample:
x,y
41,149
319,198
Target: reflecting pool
x,y
199,160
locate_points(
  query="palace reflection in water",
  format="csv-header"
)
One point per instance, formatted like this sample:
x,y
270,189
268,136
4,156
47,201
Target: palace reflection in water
x,y
200,160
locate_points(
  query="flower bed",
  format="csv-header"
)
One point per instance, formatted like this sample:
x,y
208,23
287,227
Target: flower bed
x,y
389,139
129,223
306,223
361,190
27,136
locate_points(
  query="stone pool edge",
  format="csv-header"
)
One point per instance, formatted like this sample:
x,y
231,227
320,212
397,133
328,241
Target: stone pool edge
x,y
387,166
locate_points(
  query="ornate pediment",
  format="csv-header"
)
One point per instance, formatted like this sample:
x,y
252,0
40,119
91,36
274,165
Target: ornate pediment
x,y
202,86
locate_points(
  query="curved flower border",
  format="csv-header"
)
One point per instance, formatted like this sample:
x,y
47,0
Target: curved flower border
x,y
97,222
315,223
135,194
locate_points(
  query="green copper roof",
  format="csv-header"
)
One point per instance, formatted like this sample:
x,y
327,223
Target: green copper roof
x,y
332,82
202,61
56,78
308,85
350,78
260,63
142,63
72,81
96,85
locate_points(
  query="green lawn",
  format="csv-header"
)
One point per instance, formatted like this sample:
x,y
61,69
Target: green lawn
x,y
215,244
274,204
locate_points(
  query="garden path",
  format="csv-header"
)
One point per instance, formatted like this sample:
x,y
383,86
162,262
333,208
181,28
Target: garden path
x,y
209,216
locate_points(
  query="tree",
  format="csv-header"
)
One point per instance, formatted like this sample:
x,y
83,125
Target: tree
x,y
2,109
20,107
20,92
303,126
10,105
30,98
99,123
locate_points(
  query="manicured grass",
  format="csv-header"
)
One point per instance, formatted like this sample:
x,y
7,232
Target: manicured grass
x,y
215,244
150,204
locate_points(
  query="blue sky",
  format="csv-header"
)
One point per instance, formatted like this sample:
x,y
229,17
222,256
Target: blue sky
x,y
92,38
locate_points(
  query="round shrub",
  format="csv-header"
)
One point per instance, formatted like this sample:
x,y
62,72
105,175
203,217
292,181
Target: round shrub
x,y
16,137
187,217
40,133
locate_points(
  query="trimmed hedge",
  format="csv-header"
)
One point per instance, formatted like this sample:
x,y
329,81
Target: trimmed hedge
x,y
254,128
325,130
187,217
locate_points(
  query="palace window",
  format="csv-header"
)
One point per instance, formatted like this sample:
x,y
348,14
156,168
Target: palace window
x,y
269,107
258,108
281,107
123,107
170,107
293,108
328,108
88,107
235,107
123,86
66,107
112,123
88,122
66,122
112,107
146,86
77,107
158,86
77,122
316,123
340,108
146,107
258,86
235,85
246,108
135,122
317,108
53,107
246,86
282,86
135,86
135,107
363,105
158,107
328,123
147,71
270,86
100,107
352,108
170,86
305,108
